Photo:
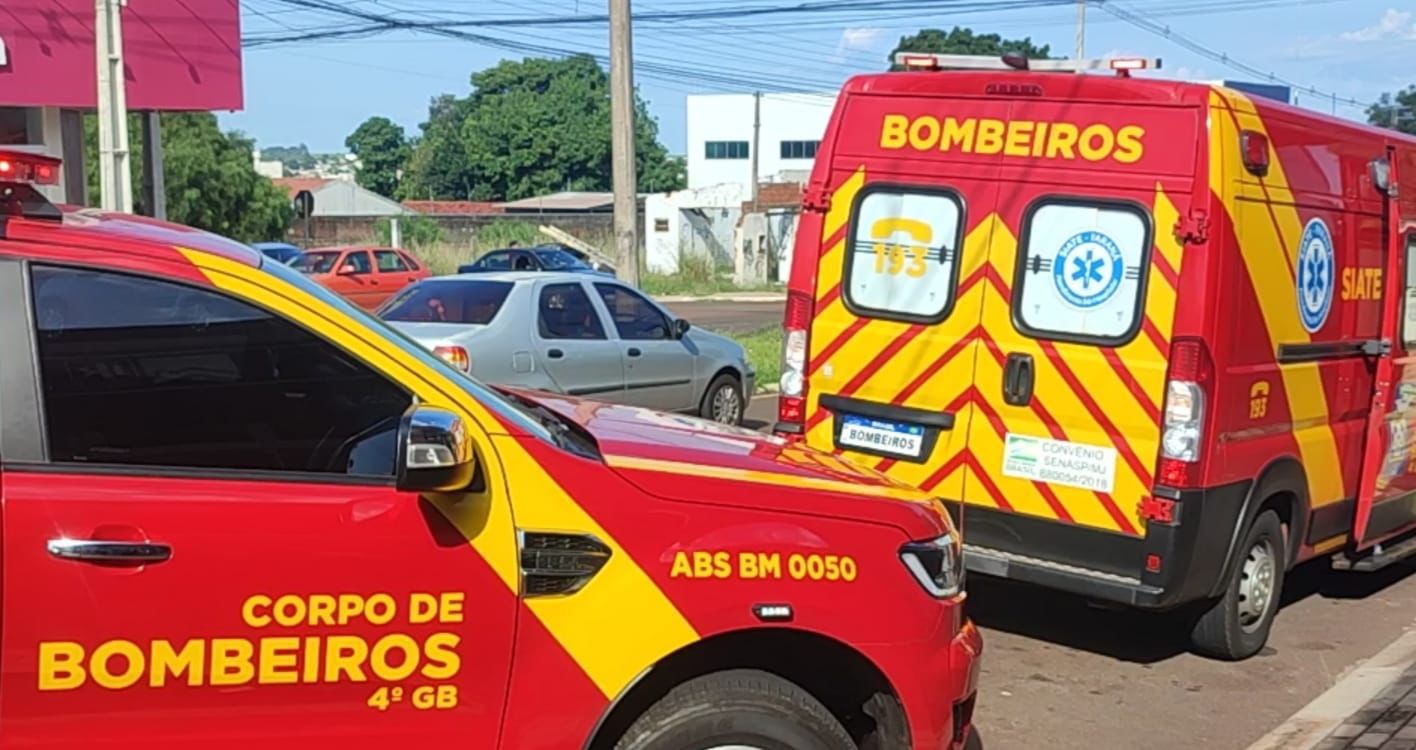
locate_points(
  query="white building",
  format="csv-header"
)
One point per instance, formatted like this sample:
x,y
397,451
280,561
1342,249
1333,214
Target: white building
x,y
720,137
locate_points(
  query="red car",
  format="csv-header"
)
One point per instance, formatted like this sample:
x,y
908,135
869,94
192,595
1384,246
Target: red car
x,y
365,275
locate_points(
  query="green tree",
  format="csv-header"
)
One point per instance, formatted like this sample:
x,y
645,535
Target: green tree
x,y
211,182
963,41
1396,111
382,149
293,157
437,168
531,127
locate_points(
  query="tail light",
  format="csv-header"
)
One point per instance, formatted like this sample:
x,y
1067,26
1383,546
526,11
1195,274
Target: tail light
x,y
791,403
1182,439
455,356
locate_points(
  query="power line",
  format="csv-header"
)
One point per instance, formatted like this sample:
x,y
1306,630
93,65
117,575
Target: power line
x,y
1164,31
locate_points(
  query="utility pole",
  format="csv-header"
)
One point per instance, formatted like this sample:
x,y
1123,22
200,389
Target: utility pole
x,y
1081,29
756,140
622,142
115,180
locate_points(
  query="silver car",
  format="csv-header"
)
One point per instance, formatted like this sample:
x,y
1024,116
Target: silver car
x,y
576,334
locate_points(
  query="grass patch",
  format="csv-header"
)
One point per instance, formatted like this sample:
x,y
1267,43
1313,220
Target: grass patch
x,y
764,353
697,276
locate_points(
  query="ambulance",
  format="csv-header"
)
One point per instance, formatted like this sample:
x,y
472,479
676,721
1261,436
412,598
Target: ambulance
x,y
1156,337
236,511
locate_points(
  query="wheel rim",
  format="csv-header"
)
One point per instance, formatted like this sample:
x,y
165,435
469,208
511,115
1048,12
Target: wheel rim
x,y
726,408
1256,585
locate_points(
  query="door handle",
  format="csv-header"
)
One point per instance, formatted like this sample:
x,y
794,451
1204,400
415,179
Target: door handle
x,y
1018,377
634,352
104,551
555,353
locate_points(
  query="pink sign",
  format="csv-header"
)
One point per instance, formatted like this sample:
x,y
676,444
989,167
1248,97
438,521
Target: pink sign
x,y
178,54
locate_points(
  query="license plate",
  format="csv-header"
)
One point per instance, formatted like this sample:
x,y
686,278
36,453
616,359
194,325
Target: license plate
x,y
895,438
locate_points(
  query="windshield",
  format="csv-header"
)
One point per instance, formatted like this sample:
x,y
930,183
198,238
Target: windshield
x,y
448,301
505,408
559,260
316,262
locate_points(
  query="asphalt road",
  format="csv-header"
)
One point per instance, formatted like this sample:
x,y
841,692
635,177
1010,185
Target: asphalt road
x,y
729,317
1059,673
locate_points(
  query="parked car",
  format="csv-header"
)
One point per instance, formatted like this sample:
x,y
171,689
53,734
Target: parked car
x,y
367,276
575,334
541,258
280,252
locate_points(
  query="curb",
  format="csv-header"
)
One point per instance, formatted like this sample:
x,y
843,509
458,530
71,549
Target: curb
x,y
739,298
1315,721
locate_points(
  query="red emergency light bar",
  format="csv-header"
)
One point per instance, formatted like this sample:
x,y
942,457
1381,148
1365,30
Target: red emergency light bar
x,y
32,169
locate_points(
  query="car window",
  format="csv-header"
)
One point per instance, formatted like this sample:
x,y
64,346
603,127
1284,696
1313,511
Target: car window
x,y
411,261
523,262
635,318
389,261
564,311
558,260
142,372
495,261
448,301
903,259
321,261
1079,275
357,261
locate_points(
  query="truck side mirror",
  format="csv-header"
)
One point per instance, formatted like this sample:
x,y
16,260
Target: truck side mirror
x,y
434,452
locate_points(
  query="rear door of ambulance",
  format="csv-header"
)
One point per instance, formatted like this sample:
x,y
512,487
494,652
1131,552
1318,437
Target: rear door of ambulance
x,y
1051,361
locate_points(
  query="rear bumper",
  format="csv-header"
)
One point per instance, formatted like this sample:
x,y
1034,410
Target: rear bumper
x,y
1167,567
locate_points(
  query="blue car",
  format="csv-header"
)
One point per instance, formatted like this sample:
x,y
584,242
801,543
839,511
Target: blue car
x,y
544,258
279,252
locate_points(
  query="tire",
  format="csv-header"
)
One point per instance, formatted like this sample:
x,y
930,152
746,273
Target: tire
x,y
740,708
722,402
1236,626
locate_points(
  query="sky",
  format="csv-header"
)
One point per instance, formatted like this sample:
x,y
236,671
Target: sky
x,y
317,92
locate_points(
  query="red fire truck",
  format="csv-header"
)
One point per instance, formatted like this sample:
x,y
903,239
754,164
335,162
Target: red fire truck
x,y
1157,337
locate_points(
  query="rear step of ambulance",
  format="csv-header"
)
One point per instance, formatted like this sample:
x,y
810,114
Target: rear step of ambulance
x,y
1378,557
1097,583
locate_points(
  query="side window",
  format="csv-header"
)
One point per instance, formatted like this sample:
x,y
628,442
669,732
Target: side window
x,y
1409,314
495,261
389,261
141,372
410,261
903,259
635,318
358,261
564,312
1079,271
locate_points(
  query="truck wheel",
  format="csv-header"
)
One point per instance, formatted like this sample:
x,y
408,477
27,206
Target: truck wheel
x,y
722,402
739,709
1237,625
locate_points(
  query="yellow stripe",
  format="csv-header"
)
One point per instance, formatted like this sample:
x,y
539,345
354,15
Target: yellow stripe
x,y
1265,250
1328,545
621,621
1160,296
766,477
831,265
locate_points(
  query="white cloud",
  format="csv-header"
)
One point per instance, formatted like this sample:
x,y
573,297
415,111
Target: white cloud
x,y
1394,24
860,39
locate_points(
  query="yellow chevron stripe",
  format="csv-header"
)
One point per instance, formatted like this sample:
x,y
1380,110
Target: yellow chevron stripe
x,y
613,627
901,492
1268,251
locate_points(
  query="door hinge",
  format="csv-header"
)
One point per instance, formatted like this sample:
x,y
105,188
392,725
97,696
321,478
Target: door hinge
x,y
817,198
1192,229
1376,348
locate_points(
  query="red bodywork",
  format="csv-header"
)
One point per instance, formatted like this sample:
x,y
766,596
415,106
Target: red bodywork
x,y
1222,189
366,276
304,611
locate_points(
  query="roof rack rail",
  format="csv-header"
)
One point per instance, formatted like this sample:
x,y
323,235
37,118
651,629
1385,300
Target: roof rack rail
x,y
936,61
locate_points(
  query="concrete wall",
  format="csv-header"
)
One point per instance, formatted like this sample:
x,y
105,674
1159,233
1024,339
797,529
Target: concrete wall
x,y
699,222
456,230
729,117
